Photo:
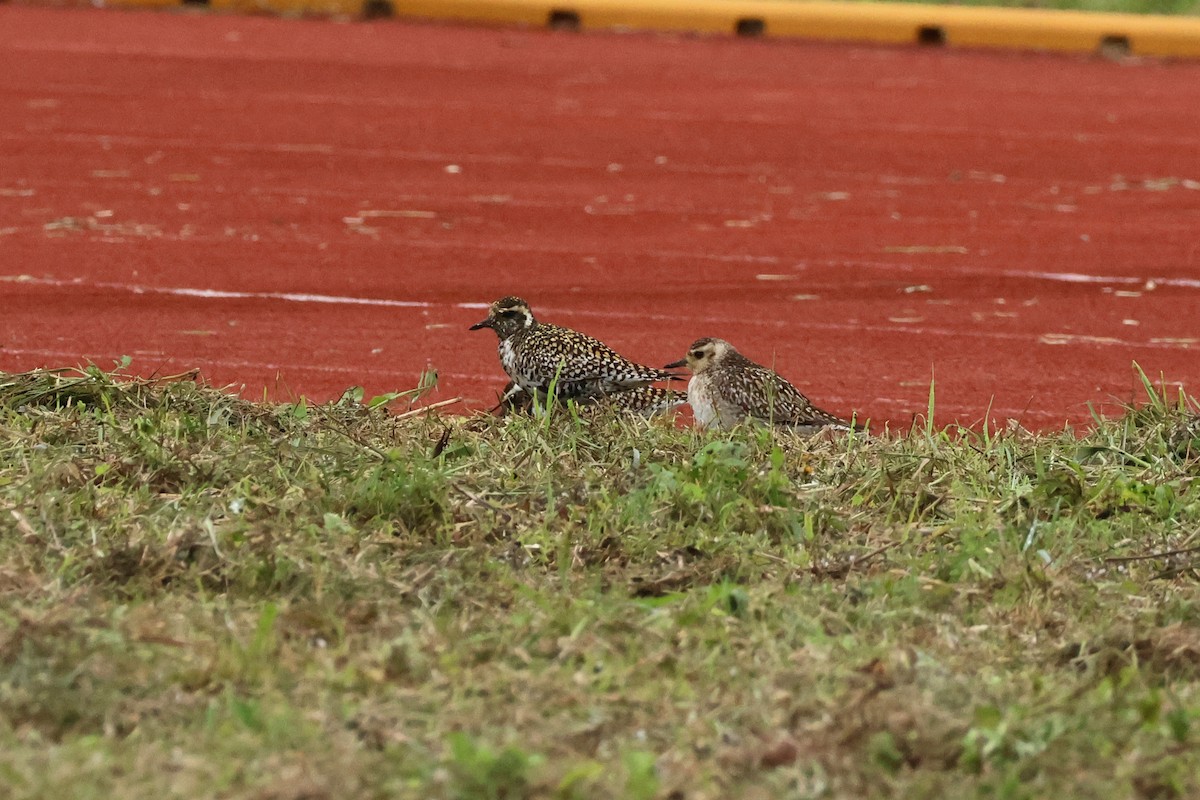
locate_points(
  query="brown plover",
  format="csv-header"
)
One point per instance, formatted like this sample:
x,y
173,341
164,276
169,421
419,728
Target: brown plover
x,y
726,388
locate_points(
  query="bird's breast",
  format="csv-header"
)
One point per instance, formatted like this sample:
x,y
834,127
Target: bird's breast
x,y
701,400
508,358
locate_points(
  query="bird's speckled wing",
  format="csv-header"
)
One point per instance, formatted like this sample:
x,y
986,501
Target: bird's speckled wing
x,y
645,400
761,393
577,358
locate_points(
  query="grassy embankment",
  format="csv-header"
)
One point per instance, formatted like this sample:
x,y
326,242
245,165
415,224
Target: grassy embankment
x,y
1171,7
205,597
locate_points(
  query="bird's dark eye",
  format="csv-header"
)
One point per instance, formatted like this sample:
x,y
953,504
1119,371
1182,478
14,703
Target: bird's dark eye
x,y
509,312
697,354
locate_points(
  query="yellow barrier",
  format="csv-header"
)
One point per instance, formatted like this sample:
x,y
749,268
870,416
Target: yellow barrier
x,y
1027,29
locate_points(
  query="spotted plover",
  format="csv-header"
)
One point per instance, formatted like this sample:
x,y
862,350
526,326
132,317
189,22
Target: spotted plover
x,y
537,354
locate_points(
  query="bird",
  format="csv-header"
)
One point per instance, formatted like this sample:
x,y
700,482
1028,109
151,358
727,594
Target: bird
x,y
726,388
539,355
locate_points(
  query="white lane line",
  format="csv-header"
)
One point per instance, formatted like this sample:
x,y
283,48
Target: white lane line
x,y
222,294
682,114
845,125
983,272
300,297
1077,277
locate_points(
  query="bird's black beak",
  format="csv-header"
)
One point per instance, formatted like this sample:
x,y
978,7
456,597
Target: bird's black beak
x,y
676,364
487,323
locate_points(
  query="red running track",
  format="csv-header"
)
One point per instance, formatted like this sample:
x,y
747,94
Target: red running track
x,y
305,205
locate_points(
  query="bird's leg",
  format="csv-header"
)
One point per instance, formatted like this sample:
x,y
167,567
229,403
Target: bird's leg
x,y
513,390
514,398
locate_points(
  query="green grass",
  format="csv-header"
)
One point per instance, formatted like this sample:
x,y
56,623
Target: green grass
x,y
1171,7
205,597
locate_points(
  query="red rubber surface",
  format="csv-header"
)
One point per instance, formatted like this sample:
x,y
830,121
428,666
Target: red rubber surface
x,y
166,178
